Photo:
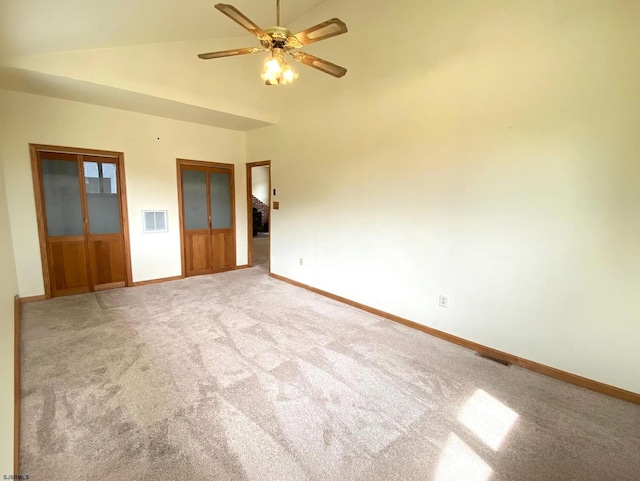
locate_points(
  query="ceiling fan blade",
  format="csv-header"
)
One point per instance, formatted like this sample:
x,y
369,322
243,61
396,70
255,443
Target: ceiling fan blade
x,y
322,31
234,14
320,64
230,53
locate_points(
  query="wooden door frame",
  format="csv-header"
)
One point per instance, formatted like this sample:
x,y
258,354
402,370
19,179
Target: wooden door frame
x,y
251,165
34,149
204,163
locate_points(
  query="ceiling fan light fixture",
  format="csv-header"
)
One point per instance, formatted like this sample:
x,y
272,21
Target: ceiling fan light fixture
x,y
288,75
276,71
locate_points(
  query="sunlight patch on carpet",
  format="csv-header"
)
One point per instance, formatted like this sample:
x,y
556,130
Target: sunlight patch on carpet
x,y
487,418
459,462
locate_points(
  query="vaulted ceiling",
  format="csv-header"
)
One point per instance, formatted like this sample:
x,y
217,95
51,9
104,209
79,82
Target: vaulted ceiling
x,y
141,56
29,27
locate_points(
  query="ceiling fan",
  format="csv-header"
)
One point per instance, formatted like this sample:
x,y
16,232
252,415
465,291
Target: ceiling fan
x,y
280,41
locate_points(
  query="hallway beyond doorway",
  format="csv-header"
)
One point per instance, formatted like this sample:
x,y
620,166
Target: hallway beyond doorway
x,y
259,212
261,251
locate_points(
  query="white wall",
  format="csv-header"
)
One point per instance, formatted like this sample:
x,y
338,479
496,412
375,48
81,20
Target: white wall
x,y
8,289
260,183
150,145
487,151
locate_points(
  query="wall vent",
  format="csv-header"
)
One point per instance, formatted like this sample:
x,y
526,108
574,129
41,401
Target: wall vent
x,y
154,221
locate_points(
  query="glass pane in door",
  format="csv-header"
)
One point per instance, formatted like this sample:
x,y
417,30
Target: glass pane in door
x,y
220,184
194,194
103,204
62,202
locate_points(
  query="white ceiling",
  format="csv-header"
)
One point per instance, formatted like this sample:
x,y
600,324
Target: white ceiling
x,y
29,27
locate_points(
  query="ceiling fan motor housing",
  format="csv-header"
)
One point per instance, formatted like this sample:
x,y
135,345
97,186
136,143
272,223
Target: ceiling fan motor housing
x,y
279,36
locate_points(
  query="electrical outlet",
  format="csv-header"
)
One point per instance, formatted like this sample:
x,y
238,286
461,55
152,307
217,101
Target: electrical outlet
x,y
301,261
444,301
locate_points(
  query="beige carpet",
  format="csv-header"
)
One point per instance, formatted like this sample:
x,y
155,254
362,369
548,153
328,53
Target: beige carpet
x,y
238,376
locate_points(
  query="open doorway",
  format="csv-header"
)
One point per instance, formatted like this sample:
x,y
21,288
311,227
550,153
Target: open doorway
x,y
259,212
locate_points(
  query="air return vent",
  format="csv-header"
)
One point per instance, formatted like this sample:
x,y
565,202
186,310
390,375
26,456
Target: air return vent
x,y
154,221
494,359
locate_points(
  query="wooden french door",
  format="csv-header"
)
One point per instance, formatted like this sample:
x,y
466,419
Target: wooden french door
x,y
81,205
207,217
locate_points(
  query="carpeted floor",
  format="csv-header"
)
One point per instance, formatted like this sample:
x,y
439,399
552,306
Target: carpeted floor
x,y
238,376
